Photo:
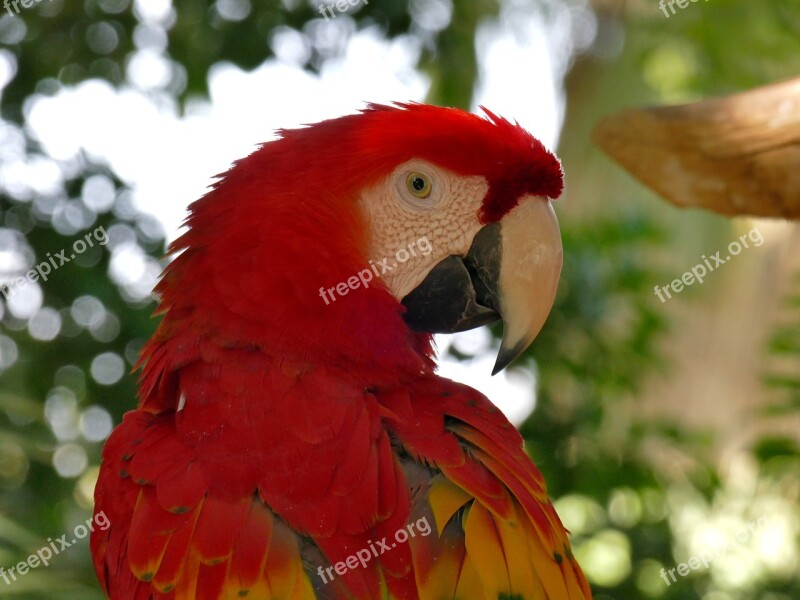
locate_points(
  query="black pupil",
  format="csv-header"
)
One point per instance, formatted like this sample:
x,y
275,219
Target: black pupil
x,y
418,183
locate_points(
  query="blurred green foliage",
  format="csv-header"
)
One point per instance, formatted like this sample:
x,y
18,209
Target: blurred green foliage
x,y
593,357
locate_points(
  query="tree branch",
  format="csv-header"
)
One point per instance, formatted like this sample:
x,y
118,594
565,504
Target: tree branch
x,y
736,155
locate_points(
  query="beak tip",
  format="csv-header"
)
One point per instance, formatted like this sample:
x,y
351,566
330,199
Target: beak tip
x,y
508,354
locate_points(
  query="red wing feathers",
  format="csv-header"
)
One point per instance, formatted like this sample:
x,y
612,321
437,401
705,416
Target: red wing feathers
x,y
221,513
488,496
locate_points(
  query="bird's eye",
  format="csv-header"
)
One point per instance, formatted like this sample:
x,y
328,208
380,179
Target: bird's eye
x,y
419,185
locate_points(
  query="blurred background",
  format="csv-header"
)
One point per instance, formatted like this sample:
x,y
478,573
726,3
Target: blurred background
x,y
665,430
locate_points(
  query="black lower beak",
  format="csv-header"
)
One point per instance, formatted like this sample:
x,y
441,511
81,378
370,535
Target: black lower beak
x,y
459,293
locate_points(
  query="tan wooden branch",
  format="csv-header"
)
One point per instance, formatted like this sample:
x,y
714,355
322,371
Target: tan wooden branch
x,y
736,155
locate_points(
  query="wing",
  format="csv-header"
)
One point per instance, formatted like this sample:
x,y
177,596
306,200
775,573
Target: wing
x,y
260,487
170,538
329,491
496,532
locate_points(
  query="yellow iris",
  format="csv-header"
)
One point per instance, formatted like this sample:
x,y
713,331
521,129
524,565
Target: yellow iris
x,y
419,185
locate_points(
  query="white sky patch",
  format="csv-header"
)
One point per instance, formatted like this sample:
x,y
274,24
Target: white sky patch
x,y
510,47
513,391
169,161
8,67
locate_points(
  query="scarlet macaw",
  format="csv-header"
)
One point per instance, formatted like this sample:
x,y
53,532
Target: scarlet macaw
x,y
292,438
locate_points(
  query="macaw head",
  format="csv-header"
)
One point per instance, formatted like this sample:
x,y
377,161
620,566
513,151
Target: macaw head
x,y
364,235
476,191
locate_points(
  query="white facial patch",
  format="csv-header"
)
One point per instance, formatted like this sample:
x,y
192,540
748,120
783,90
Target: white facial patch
x,y
410,232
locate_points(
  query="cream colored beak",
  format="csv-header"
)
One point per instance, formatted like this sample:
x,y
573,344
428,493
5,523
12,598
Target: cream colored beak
x,y
510,272
529,271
